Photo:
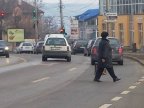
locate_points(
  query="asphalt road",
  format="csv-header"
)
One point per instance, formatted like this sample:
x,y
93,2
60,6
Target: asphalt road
x,y
59,84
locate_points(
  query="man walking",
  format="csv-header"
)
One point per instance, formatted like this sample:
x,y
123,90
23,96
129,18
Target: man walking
x,y
105,59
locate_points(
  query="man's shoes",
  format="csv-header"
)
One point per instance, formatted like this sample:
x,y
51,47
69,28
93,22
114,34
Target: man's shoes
x,y
116,79
97,80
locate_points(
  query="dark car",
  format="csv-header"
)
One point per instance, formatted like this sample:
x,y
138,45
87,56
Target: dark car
x,y
87,49
4,49
38,47
78,46
117,51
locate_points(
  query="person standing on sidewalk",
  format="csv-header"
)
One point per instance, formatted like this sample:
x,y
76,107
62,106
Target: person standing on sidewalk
x,y
105,59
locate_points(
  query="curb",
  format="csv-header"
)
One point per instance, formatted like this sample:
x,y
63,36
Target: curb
x,y
21,60
135,59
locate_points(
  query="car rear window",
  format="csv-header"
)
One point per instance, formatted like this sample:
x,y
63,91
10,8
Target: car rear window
x,y
81,43
27,44
56,41
113,42
2,43
40,44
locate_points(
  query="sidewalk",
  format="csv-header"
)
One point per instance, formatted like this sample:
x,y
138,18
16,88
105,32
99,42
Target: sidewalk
x,y
10,61
137,56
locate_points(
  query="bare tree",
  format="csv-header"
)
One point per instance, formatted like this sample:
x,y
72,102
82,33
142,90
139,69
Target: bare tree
x,y
50,25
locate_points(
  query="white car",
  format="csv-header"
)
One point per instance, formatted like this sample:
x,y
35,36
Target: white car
x,y
25,47
56,46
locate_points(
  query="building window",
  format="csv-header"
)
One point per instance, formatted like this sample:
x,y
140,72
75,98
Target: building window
x,y
140,34
104,27
121,32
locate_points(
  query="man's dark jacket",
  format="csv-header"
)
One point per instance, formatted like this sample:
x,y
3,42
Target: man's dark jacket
x,y
104,52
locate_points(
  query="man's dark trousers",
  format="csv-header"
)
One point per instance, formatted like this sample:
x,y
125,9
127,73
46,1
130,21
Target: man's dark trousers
x,y
100,70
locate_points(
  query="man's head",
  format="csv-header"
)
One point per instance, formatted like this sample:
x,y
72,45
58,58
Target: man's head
x,y
104,34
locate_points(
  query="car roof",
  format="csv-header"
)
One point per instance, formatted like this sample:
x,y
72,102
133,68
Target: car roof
x,y
56,35
107,37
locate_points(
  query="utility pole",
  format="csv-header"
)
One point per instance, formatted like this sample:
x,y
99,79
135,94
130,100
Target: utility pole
x,y
61,14
36,21
107,17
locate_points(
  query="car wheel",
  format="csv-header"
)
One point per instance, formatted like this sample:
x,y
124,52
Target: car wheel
x,y
92,62
7,55
120,62
68,59
44,58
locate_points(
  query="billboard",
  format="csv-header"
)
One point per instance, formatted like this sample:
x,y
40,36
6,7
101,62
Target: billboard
x,y
15,35
74,29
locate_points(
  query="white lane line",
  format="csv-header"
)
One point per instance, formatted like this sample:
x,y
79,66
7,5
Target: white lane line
x,y
125,92
48,64
132,87
52,64
105,106
42,79
116,98
141,80
142,77
72,69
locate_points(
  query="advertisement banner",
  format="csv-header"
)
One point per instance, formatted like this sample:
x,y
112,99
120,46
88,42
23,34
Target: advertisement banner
x,y
15,35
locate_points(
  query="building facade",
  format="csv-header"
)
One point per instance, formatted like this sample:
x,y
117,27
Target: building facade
x,y
87,24
127,25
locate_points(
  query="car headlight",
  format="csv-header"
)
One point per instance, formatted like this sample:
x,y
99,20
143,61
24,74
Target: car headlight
x,y
6,48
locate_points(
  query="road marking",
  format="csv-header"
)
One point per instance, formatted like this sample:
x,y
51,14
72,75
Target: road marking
x,y
141,80
47,64
132,87
72,69
42,79
105,106
125,92
116,98
142,77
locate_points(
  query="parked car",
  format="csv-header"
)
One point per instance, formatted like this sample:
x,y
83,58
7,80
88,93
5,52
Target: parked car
x,y
87,49
38,47
78,46
4,49
25,47
117,51
56,46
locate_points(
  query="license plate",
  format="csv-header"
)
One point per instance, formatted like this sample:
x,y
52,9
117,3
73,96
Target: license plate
x,y
55,48
1,50
27,47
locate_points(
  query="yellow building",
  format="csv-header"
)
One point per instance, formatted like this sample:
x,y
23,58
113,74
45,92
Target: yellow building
x,y
128,26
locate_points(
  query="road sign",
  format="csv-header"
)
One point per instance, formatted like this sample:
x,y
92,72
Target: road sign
x,y
110,14
109,20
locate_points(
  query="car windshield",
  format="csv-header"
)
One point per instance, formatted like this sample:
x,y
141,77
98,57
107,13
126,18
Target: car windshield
x,y
27,44
56,41
2,43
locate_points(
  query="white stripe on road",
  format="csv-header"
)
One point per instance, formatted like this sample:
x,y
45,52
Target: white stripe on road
x,y
132,87
42,79
105,106
125,92
116,98
72,69
48,64
142,77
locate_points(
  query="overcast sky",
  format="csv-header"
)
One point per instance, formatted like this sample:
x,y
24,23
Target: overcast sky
x,y
72,1
70,8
